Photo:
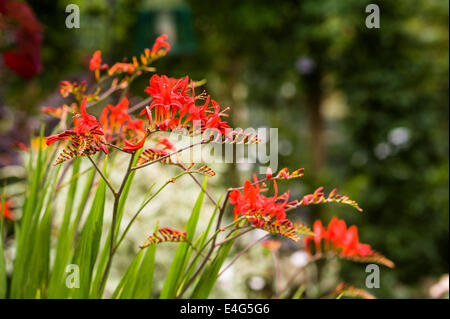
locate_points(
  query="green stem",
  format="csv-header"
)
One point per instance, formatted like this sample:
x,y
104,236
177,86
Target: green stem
x,y
102,175
117,196
143,206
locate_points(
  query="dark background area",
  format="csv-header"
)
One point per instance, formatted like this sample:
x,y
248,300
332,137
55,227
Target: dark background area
x,y
362,109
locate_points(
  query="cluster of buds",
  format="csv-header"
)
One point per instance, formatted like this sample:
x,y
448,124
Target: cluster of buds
x,y
165,235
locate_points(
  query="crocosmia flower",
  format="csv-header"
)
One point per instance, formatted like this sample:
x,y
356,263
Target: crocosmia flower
x,y
339,240
161,46
95,63
251,201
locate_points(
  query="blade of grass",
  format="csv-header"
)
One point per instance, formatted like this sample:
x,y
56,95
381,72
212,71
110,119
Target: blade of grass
x,y
179,261
90,237
64,243
209,276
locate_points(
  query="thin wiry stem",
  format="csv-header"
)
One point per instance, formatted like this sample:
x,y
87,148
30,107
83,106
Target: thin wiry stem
x,y
102,175
201,250
199,184
114,222
168,155
234,237
243,252
139,105
211,249
143,206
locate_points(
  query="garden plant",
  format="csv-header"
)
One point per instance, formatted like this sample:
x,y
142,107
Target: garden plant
x,y
87,234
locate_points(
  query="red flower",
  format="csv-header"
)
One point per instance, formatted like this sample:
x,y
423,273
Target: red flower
x,y
340,240
160,47
95,64
134,147
272,245
122,68
96,61
113,118
251,201
5,209
87,138
168,145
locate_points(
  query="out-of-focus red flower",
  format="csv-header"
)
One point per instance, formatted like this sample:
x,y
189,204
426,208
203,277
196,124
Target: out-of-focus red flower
x,y
5,209
95,63
168,145
59,112
118,125
78,90
160,47
113,118
25,59
121,67
271,244
87,137
340,240
130,147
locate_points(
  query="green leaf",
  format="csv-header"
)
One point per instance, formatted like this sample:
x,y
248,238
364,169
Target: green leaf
x,y
127,283
57,287
209,276
89,243
201,243
182,254
144,278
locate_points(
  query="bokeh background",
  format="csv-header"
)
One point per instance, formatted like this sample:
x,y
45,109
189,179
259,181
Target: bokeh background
x,y
365,110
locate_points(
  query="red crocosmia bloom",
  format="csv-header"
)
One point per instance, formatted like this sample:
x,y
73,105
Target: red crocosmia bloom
x,y
113,118
134,129
134,147
168,145
87,137
121,67
160,47
95,63
340,240
5,209
251,201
